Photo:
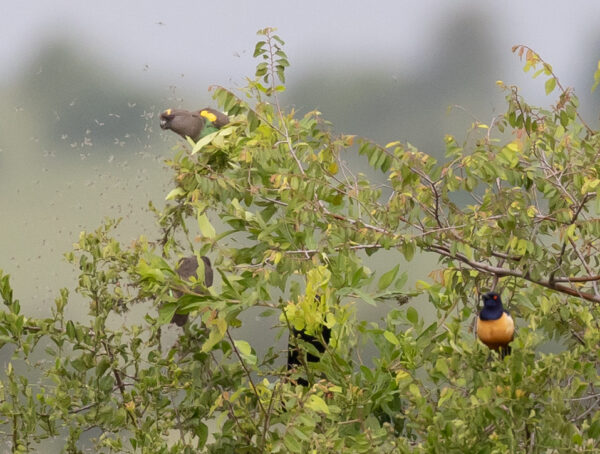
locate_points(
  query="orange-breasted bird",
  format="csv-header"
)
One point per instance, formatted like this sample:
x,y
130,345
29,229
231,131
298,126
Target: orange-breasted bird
x,y
495,326
194,125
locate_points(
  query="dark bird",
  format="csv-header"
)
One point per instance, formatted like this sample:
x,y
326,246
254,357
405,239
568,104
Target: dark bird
x,y
186,268
495,326
194,125
296,352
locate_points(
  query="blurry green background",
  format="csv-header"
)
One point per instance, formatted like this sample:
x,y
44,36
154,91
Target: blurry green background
x,y
82,84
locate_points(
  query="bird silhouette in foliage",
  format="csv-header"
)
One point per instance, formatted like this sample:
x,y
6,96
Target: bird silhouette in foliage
x,y
297,354
495,326
186,268
295,350
194,125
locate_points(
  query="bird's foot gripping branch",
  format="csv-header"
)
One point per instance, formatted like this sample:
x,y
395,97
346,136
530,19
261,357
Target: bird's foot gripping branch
x,y
268,201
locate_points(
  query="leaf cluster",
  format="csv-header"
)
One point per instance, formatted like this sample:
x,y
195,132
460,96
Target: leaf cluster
x,y
290,228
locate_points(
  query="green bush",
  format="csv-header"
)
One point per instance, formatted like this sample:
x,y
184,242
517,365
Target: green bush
x,y
513,208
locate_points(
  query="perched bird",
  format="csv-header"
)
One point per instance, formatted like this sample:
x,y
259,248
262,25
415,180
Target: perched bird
x,y
186,268
194,125
294,349
495,326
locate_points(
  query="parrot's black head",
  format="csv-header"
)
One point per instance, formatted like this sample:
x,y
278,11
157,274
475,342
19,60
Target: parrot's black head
x,y
492,306
166,118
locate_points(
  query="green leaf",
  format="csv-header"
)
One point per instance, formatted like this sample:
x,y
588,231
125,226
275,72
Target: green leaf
x,y
149,272
217,333
401,281
412,315
414,390
243,347
594,430
204,141
365,297
550,85
206,228
102,366
258,49
201,431
175,193
292,444
441,365
596,78
70,330
446,394
166,312
391,338
387,278
408,249
107,382
317,404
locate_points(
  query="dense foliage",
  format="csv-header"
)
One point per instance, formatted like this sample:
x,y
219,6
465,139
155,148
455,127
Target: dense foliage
x,y
514,208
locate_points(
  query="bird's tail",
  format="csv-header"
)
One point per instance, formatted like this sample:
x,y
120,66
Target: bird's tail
x,y
504,351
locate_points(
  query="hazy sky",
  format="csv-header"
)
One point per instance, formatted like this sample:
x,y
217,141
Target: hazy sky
x,y
176,42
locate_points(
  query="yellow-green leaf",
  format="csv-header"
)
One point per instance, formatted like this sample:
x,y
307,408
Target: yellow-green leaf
x,y
204,141
315,403
243,347
205,226
414,390
391,338
446,394
387,278
175,193
550,84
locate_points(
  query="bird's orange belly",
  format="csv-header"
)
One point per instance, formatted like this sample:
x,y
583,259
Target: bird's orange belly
x,y
496,333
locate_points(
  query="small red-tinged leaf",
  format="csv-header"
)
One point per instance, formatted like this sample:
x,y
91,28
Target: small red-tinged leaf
x,y
530,56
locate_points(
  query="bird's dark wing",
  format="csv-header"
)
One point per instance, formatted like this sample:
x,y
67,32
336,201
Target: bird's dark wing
x,y
186,268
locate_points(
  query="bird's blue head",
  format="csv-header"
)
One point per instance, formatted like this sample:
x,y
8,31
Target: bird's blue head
x,y
492,306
